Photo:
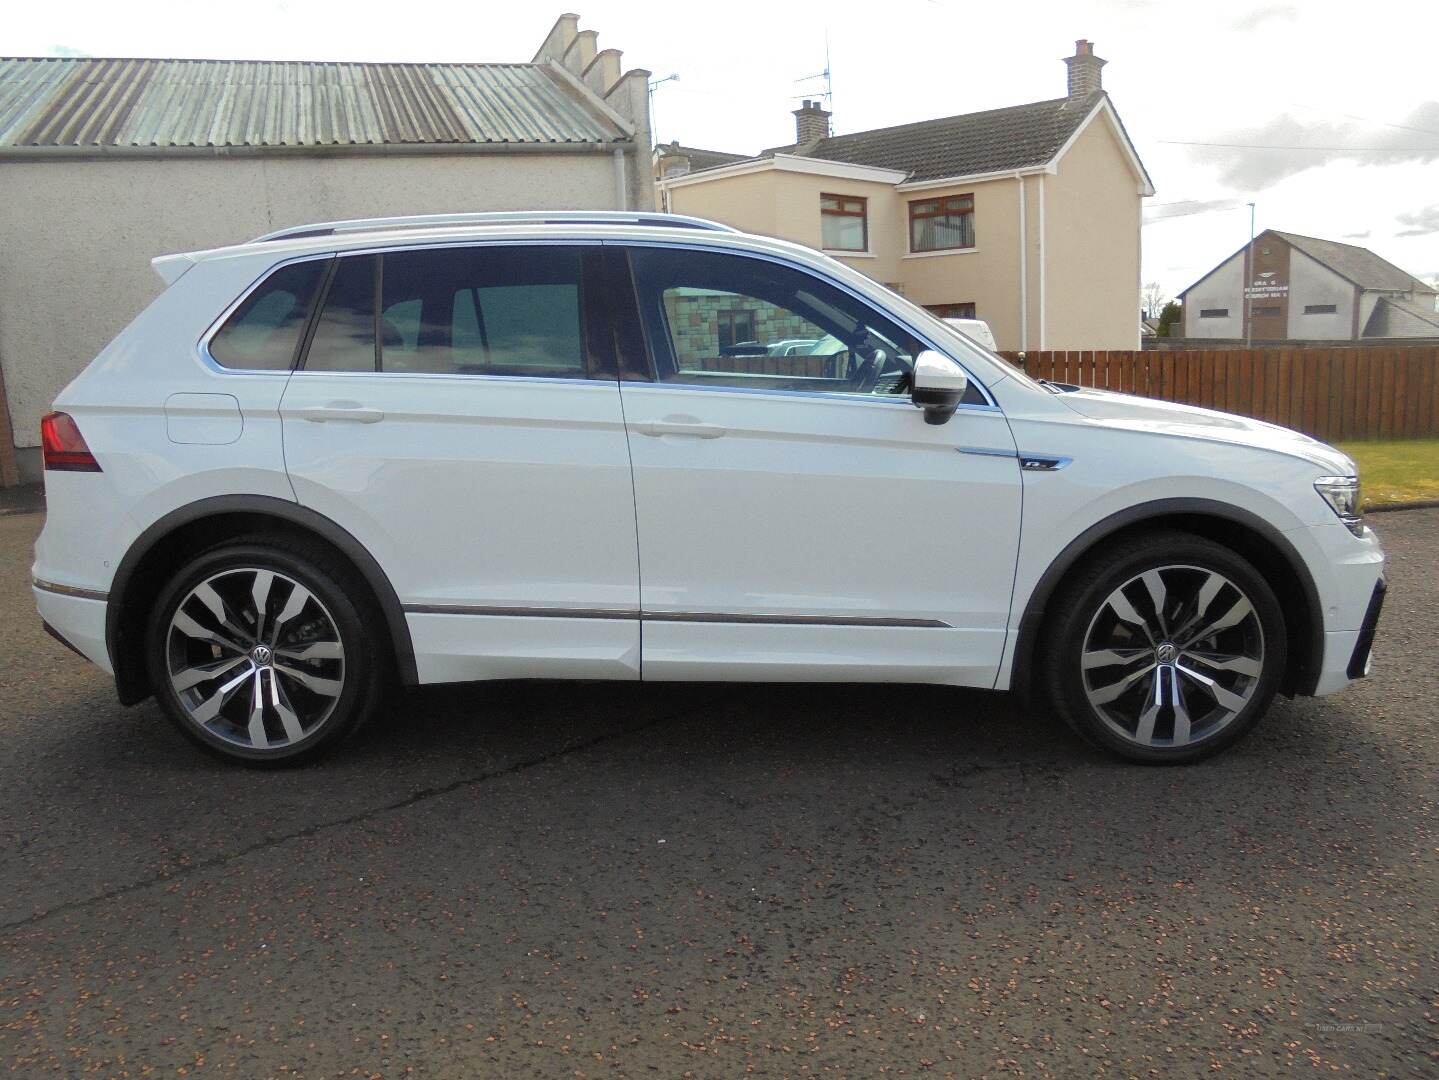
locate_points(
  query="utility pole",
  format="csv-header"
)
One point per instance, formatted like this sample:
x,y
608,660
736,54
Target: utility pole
x,y
1248,282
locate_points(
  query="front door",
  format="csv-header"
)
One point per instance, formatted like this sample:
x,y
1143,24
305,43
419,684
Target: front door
x,y
798,519
455,413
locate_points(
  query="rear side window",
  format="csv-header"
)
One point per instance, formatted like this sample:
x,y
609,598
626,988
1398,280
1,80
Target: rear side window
x,y
344,338
511,310
263,333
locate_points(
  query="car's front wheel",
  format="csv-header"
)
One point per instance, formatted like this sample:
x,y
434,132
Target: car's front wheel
x,y
1166,649
259,652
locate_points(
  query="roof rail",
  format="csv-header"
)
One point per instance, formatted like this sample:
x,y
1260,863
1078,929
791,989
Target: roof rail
x,y
503,217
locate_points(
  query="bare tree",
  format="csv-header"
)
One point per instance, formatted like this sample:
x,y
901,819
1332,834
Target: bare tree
x,y
1151,299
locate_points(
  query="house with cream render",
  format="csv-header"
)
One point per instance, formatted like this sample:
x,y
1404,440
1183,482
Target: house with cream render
x,y
1027,217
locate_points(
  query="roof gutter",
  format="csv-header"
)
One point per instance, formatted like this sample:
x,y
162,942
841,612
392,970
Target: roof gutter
x,y
972,178
144,153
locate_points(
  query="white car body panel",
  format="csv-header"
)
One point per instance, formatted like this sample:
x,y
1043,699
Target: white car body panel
x,y
817,507
503,511
479,494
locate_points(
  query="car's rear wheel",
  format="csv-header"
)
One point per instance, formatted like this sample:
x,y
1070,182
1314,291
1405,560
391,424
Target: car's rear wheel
x,y
1166,649
260,652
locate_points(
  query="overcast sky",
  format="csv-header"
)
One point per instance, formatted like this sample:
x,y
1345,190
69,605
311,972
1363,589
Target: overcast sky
x,y
1347,92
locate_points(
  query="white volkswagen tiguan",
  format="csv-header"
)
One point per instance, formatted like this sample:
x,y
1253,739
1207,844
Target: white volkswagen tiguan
x,y
500,446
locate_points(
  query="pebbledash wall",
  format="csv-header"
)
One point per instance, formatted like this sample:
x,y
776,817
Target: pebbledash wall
x,y
76,236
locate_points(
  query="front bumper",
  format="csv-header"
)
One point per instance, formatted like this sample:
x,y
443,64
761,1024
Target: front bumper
x,y
1349,577
1363,648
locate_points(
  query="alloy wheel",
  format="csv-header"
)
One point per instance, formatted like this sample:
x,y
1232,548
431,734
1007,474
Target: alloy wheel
x,y
1172,656
255,658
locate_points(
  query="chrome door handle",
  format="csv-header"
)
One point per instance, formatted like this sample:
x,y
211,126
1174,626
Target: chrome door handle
x,y
693,428
348,411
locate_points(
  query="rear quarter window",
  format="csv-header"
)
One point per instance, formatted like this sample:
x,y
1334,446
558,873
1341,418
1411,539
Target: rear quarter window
x,y
263,333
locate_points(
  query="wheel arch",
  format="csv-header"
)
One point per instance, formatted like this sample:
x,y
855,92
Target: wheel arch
x,y
204,524
1241,531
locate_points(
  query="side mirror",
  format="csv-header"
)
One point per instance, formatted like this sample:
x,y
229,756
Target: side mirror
x,y
939,386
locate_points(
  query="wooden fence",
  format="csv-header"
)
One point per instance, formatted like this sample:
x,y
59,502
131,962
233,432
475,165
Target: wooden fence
x,y
1332,394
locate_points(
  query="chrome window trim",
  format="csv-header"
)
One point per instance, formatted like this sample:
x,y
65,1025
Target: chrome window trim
x,y
203,346
845,397
844,287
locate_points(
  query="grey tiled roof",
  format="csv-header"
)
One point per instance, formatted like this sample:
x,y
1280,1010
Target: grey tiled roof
x,y
1399,318
1017,137
1357,264
701,159
49,103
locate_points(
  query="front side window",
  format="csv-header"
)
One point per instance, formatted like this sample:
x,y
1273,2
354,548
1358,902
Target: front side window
x,y
503,310
941,224
844,223
263,333
800,333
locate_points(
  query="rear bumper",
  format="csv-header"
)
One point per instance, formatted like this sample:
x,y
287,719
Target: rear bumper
x,y
78,620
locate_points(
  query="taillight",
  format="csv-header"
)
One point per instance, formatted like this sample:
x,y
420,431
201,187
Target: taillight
x,y
65,449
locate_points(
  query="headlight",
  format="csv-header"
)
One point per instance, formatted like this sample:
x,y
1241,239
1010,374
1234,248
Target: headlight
x,y
1342,495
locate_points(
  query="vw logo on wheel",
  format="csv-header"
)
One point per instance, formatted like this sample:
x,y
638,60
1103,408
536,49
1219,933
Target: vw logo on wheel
x,y
1166,653
261,655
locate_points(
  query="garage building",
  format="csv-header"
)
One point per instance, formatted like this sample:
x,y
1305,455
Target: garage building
x,y
106,163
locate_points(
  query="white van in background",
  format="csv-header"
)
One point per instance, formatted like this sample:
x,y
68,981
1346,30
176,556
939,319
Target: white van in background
x,y
977,330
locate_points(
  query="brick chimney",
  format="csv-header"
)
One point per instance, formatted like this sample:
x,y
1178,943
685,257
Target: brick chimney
x,y
1084,76
810,123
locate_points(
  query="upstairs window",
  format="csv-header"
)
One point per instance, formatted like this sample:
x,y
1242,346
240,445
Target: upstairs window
x,y
844,223
1320,309
941,224
1214,313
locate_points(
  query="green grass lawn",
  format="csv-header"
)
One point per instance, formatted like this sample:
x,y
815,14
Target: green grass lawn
x,y
1399,471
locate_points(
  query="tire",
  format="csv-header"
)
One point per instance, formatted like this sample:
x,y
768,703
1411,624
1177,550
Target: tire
x,y
314,662
1130,664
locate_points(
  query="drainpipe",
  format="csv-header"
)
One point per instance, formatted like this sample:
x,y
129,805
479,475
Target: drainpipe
x,y
1023,272
1043,321
619,159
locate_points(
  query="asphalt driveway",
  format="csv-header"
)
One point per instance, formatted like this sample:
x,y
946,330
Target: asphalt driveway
x,y
528,880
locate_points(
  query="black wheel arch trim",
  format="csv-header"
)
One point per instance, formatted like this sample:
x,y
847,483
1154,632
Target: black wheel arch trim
x,y
269,506
1301,681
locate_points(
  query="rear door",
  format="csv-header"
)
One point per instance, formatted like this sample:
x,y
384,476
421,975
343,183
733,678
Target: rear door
x,y
456,412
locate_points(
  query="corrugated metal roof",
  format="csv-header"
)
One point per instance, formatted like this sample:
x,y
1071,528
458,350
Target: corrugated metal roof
x,y
87,103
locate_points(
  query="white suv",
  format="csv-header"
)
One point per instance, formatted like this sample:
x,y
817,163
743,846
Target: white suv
x,y
526,446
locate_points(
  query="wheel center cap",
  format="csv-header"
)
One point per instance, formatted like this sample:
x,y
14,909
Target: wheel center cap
x,y
1167,653
261,655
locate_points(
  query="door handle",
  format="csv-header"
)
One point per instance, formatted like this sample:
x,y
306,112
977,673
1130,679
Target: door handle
x,y
347,411
675,426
